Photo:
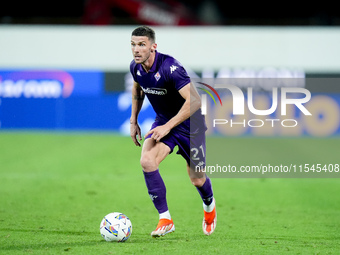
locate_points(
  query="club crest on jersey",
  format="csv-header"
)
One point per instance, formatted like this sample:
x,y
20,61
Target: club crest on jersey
x,y
157,76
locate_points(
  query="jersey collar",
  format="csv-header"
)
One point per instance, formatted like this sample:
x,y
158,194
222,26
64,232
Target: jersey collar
x,y
154,65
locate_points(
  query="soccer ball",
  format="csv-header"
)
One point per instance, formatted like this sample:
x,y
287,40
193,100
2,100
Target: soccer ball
x,y
116,227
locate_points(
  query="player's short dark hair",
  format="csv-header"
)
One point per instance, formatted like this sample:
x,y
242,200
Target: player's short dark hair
x,y
145,31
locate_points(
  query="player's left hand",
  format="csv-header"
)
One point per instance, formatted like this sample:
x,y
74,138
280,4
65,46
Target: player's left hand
x,y
158,132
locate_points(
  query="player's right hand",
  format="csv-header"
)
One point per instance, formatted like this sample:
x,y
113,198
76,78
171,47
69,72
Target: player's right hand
x,y
135,132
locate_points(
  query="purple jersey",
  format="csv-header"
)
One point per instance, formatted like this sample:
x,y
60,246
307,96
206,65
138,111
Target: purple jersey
x,y
161,85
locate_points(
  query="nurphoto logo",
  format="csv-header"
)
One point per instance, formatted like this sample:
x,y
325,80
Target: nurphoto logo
x,y
281,98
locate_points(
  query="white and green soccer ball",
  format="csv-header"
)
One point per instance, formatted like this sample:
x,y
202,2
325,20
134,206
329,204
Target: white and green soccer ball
x,y
116,227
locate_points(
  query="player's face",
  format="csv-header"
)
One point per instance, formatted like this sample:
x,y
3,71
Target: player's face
x,y
142,48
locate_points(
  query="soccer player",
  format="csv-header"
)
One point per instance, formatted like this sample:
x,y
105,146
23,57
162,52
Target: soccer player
x,y
178,122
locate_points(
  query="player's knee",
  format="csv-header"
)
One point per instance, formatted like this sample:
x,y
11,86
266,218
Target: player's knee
x,y
148,163
197,182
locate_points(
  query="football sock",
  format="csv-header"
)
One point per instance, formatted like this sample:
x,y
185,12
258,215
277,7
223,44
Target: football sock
x,y
206,192
165,215
156,190
209,208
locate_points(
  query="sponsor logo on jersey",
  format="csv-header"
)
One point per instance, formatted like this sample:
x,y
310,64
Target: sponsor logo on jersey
x,y
138,73
155,91
173,68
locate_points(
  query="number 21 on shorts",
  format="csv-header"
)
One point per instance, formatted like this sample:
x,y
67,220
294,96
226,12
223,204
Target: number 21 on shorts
x,y
197,153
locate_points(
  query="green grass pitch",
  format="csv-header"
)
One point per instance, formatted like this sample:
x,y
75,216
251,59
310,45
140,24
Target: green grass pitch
x,y
56,187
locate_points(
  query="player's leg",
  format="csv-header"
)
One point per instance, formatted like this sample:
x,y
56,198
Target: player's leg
x,y
202,182
196,170
204,187
153,153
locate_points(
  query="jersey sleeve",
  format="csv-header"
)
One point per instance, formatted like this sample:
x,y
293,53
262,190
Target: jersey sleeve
x,y
132,70
176,74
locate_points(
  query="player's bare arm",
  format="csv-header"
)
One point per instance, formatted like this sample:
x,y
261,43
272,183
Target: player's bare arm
x,y
137,102
191,105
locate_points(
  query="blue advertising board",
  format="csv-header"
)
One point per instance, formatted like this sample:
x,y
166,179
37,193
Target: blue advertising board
x,y
50,83
77,100
61,99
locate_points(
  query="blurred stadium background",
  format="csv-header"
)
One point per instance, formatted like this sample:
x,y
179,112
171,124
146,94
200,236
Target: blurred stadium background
x,y
65,65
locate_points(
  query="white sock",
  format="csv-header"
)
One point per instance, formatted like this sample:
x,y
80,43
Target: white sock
x,y
165,215
209,208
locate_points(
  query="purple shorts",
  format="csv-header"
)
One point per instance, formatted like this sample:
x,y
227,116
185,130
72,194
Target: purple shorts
x,y
191,147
